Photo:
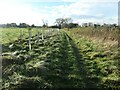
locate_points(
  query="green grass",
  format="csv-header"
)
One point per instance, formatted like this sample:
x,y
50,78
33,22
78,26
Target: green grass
x,y
60,60
98,35
100,62
10,34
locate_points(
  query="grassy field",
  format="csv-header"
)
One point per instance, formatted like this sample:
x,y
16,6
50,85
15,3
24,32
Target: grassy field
x,y
101,57
10,34
62,59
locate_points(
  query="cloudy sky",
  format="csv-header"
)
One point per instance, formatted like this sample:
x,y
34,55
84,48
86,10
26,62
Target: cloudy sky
x,y
34,11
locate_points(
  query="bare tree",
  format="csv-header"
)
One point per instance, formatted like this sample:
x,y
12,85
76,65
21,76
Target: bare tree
x,y
59,22
45,24
63,22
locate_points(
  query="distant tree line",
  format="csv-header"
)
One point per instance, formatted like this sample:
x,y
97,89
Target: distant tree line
x,y
21,25
60,23
98,25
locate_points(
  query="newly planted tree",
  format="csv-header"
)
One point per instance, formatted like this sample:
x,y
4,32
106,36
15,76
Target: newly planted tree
x,y
38,34
20,35
42,34
29,33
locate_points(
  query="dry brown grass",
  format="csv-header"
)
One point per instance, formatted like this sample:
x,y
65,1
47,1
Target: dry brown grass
x,y
101,35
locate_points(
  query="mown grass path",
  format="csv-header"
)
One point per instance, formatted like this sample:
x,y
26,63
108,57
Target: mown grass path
x,y
65,70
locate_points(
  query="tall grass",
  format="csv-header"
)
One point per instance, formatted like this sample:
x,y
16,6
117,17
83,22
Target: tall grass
x,y
100,35
101,54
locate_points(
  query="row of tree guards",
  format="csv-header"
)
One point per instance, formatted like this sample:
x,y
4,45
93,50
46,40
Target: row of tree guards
x,y
43,32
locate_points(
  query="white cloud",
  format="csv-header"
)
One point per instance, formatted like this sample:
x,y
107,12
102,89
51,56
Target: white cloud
x,y
90,1
89,8
14,11
61,1
19,13
100,21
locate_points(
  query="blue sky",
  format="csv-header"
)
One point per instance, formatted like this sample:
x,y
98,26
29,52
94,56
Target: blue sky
x,y
81,11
